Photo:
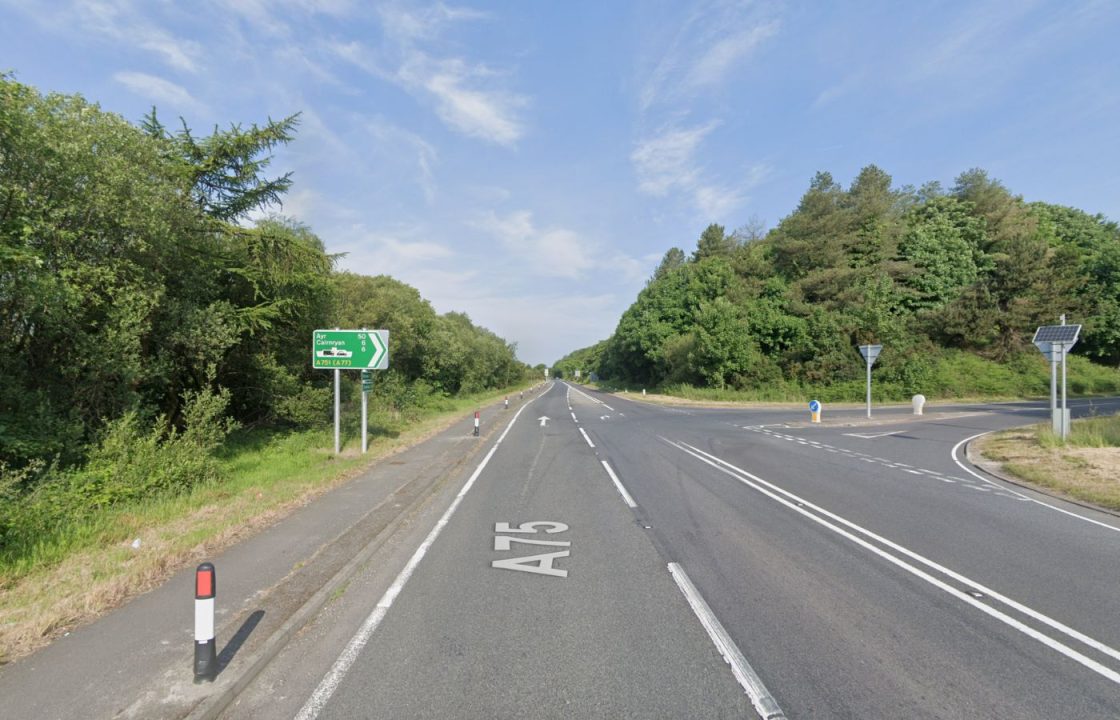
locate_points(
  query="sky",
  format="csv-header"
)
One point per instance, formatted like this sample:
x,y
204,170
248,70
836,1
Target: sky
x,y
530,162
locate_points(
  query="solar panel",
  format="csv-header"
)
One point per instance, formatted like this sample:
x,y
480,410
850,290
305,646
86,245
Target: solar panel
x,y
1057,334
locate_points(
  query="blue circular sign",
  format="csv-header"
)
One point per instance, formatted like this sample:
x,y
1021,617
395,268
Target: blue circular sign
x,y
814,406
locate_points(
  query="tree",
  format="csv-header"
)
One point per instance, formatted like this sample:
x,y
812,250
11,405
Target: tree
x,y
226,168
713,242
942,242
674,258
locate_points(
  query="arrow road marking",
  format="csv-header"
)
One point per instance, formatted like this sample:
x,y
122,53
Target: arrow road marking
x,y
544,420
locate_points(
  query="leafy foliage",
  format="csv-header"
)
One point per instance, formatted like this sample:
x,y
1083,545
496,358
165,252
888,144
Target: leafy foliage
x,y
925,272
144,317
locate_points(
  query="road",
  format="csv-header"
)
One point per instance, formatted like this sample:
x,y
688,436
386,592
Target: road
x,y
624,560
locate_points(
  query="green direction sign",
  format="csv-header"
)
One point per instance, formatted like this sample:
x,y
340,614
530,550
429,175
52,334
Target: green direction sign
x,y
350,349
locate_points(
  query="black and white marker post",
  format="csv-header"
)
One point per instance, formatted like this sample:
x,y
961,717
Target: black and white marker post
x,y
205,647
476,422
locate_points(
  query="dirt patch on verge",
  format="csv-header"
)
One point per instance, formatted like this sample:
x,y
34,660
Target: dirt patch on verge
x,y
1090,475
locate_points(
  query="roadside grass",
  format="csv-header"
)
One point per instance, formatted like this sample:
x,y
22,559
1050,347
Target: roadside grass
x,y
83,569
1087,468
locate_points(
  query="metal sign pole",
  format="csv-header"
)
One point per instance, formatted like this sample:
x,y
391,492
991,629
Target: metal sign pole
x,y
337,406
869,388
1065,416
1054,389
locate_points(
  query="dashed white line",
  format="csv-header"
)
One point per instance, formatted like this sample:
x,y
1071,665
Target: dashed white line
x,y
582,432
618,484
748,679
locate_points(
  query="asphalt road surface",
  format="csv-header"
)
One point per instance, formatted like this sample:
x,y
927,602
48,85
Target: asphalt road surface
x,y
624,560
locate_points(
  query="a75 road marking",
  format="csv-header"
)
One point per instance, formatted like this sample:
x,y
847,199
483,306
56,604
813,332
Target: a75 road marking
x,y
538,564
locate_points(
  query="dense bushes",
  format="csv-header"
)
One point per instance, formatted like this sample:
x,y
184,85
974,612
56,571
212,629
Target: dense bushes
x,y
136,458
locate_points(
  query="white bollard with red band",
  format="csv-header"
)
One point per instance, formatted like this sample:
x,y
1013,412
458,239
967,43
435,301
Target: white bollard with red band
x,y
476,421
205,647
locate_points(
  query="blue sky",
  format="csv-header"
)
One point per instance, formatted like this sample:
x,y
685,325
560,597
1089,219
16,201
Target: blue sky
x,y
529,163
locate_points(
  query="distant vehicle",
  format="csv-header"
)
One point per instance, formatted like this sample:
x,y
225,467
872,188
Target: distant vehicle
x,y
333,353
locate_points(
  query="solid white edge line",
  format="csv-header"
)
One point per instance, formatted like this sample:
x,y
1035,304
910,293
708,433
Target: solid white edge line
x,y
988,481
799,506
349,655
618,484
764,703
582,432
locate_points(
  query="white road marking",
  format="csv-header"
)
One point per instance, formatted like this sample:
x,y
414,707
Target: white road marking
x,y
582,432
981,478
618,484
803,507
748,679
345,661
872,437
597,400
574,418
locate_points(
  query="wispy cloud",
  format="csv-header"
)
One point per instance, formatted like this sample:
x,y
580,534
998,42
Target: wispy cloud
x,y
695,57
467,96
667,163
124,23
490,115
424,153
667,160
709,44
403,252
550,251
158,90
715,64
408,25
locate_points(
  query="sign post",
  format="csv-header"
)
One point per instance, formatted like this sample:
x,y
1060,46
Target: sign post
x,y
869,353
367,386
340,350
1055,342
815,410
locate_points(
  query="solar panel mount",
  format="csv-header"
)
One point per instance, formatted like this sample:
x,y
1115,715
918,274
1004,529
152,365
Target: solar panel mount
x,y
1065,334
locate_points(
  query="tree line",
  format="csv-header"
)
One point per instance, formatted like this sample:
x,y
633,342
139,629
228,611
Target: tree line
x,y
135,289
926,272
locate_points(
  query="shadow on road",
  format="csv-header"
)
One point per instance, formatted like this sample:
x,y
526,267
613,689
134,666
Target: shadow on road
x,y
238,639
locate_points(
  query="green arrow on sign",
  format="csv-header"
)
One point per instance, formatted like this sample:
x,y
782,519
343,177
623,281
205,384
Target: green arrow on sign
x,y
350,349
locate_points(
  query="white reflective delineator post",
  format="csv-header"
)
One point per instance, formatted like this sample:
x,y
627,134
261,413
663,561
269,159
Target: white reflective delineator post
x,y
507,402
476,422
205,646
919,402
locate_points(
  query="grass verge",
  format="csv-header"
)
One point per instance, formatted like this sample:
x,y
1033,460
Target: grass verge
x,y
1087,468
265,476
